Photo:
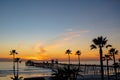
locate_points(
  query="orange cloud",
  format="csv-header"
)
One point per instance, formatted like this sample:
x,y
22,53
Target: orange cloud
x,y
38,48
52,47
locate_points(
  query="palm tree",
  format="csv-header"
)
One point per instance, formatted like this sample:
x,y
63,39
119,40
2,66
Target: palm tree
x,y
78,53
17,60
16,76
13,52
100,42
107,58
114,52
65,73
68,52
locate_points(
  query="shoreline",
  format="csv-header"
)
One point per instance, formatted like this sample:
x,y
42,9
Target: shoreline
x,y
30,71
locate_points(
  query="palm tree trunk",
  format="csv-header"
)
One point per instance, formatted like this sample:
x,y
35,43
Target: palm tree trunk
x,y
79,62
114,58
101,63
17,69
115,66
107,70
13,64
69,58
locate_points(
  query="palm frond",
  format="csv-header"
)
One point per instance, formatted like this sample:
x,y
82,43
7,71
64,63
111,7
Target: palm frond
x,y
116,52
108,57
111,50
95,41
108,46
104,39
11,53
103,43
93,46
20,78
100,38
68,51
78,52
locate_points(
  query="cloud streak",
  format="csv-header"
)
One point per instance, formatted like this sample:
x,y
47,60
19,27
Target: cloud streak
x,y
67,36
39,48
59,41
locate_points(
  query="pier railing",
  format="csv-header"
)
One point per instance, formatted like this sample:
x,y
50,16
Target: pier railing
x,y
90,70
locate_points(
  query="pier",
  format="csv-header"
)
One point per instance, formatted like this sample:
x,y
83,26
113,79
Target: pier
x,y
91,71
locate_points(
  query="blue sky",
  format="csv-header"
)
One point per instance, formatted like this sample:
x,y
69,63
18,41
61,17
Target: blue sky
x,y
40,21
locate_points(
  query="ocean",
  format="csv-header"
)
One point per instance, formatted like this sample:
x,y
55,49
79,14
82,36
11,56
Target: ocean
x,y
6,69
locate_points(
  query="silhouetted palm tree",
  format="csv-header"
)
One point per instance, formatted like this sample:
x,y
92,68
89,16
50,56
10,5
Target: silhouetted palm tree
x,y
107,58
17,60
78,53
100,42
13,52
114,52
66,74
16,76
68,52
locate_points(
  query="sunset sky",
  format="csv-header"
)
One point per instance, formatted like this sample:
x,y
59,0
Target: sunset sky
x,y
45,29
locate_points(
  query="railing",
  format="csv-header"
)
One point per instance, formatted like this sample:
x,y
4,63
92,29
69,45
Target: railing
x,y
91,71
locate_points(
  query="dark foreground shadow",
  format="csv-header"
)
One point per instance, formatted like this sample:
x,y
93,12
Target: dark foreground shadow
x,y
35,78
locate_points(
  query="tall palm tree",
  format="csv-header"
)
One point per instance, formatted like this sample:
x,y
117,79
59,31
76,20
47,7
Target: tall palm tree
x,y
13,52
78,53
68,52
114,52
100,42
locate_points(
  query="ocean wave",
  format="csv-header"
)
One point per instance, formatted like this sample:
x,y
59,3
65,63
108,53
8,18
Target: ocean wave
x,y
26,70
5,72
